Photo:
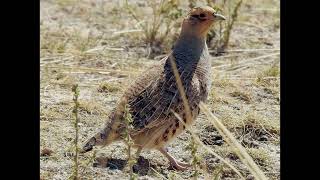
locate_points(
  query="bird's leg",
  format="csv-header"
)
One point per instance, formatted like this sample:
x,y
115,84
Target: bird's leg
x,y
174,163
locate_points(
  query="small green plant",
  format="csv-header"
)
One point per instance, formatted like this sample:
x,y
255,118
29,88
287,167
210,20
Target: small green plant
x,y
128,140
195,159
75,90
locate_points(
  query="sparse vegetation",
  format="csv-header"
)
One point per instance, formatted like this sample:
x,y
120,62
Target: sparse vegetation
x,y
108,87
195,159
244,96
158,30
273,71
128,140
232,19
102,46
75,90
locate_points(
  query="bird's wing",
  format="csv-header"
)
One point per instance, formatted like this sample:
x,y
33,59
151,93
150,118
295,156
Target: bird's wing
x,y
148,97
153,96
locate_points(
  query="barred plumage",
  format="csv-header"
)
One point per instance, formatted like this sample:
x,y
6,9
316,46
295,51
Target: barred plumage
x,y
153,96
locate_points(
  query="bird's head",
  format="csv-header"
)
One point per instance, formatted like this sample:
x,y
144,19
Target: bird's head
x,y
199,21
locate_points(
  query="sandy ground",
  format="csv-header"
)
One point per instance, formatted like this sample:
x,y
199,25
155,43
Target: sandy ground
x,y
81,43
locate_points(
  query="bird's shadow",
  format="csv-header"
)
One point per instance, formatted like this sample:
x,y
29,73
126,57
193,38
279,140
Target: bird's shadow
x,y
141,167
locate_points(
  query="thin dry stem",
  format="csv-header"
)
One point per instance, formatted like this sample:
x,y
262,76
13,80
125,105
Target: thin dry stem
x,y
248,60
75,111
189,115
196,138
231,140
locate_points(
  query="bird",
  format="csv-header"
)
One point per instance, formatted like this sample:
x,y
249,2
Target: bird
x,y
154,96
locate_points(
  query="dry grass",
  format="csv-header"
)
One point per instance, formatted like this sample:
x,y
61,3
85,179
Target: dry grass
x,y
157,27
99,46
238,149
108,87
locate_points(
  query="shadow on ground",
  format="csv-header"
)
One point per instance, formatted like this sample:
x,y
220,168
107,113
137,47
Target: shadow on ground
x,y
142,166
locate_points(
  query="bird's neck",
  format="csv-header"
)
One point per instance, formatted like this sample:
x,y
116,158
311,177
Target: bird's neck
x,y
191,56
190,50
191,41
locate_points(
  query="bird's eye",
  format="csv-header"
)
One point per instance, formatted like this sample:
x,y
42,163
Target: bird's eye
x,y
195,16
200,16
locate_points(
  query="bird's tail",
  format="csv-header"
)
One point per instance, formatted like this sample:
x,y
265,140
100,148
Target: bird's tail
x,y
107,135
97,140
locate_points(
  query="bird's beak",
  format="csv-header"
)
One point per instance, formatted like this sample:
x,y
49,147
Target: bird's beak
x,y
219,17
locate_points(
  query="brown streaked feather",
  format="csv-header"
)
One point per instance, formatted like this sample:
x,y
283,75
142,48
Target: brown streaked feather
x,y
154,95
151,107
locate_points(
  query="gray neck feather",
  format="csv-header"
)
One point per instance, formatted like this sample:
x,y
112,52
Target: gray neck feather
x,y
189,51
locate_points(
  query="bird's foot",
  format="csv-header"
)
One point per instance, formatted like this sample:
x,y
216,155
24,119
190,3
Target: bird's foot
x,y
173,162
179,165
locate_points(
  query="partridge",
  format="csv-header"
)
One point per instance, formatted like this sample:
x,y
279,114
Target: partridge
x,y
151,99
